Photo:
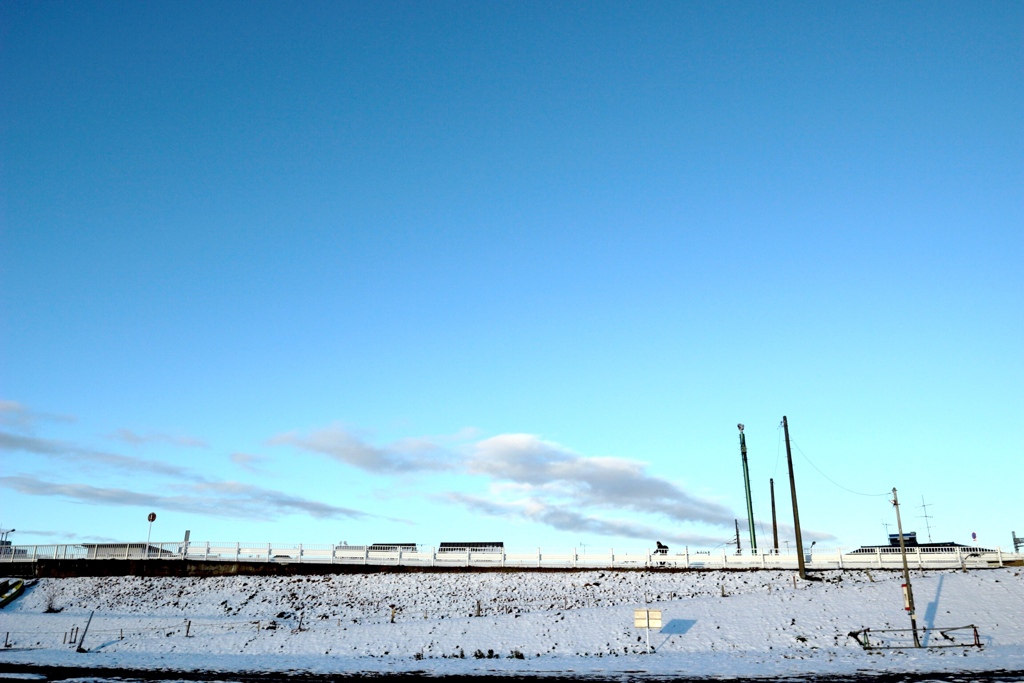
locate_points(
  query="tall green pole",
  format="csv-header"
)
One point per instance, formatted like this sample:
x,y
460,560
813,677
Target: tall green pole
x,y
746,484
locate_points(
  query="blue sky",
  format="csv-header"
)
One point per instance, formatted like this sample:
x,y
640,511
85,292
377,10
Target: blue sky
x,y
425,272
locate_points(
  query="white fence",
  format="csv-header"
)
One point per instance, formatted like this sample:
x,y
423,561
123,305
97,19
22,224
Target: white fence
x,y
964,557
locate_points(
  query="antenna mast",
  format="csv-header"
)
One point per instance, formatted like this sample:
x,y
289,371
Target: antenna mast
x,y
924,506
746,485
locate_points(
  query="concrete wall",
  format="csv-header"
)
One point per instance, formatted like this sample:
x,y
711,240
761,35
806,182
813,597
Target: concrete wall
x,y
61,569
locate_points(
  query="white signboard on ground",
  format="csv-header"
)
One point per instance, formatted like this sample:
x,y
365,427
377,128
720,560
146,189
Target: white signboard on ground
x,y
647,618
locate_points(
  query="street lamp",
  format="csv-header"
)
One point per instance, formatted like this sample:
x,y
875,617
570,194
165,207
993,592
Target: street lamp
x,y
151,517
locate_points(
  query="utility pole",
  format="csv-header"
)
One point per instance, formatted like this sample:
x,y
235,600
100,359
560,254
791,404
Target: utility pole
x,y
739,549
746,485
775,523
796,511
908,592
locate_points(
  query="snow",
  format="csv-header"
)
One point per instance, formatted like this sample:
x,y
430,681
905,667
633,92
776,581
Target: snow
x,y
717,624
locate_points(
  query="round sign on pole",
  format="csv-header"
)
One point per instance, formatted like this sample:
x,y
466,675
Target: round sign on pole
x,y
151,517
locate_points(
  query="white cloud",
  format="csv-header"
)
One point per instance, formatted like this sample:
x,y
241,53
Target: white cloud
x,y
529,479
545,468
407,455
564,518
248,462
67,536
136,439
20,418
551,485
222,499
88,457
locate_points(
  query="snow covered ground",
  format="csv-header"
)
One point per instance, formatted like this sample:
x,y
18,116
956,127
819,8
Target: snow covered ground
x,y
716,624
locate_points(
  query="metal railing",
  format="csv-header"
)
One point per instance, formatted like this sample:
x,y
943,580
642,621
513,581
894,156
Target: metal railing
x,y
960,557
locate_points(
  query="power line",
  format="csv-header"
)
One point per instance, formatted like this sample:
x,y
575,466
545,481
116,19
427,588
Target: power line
x,y
859,493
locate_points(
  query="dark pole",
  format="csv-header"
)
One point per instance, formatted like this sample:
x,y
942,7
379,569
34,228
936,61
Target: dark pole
x,y
796,511
746,485
906,571
739,549
775,523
